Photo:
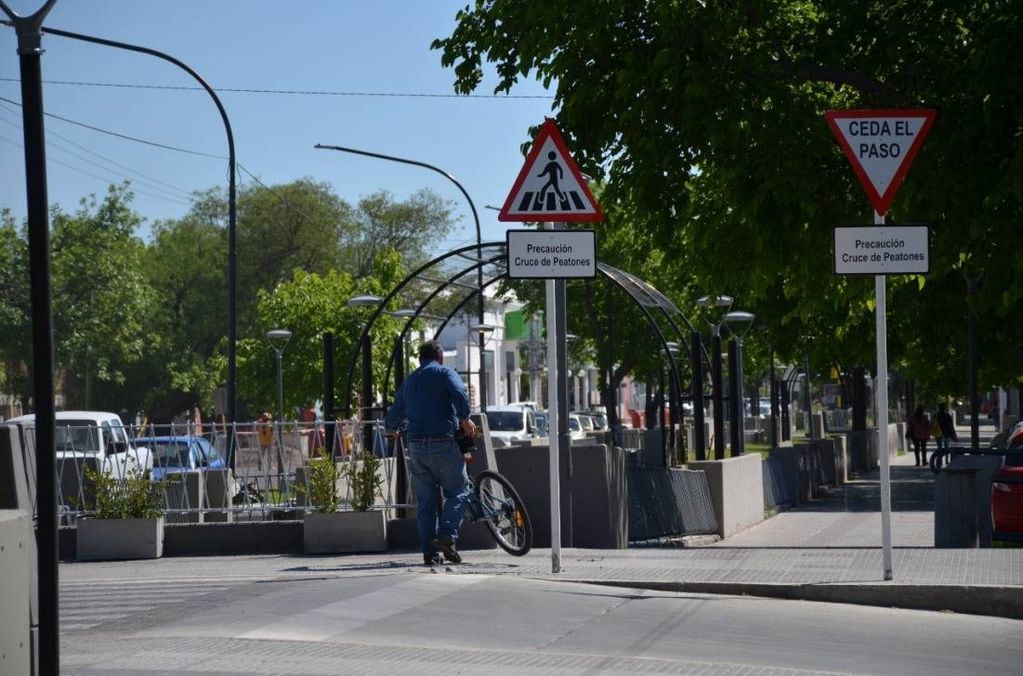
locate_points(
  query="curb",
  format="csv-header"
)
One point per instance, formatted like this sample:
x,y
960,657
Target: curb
x,y
990,600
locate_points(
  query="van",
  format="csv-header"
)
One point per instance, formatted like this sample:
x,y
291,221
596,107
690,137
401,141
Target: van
x,y
87,437
514,422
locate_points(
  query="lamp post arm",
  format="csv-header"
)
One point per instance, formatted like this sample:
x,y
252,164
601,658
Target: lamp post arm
x,y
232,217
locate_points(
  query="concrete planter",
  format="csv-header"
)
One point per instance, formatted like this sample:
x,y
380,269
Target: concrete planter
x,y
119,539
344,532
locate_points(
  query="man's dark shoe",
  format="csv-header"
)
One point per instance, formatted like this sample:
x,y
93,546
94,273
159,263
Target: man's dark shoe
x,y
447,547
434,559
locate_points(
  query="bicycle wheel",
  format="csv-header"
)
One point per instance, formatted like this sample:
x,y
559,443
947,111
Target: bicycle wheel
x,y
504,513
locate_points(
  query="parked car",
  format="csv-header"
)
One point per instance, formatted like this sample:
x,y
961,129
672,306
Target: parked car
x,y
575,427
599,419
1007,488
513,422
93,435
172,455
541,423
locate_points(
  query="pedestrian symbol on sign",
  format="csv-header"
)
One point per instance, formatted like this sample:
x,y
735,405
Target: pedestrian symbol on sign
x,y
544,190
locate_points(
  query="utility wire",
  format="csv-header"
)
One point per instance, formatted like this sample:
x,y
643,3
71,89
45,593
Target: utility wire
x,y
106,180
289,92
139,177
124,136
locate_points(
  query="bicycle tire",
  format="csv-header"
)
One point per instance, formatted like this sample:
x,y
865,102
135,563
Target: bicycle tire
x,y
512,530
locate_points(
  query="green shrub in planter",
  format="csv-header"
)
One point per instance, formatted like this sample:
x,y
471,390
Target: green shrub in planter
x,y
364,479
133,497
323,476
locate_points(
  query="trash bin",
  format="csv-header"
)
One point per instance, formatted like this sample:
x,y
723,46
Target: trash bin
x,y
955,509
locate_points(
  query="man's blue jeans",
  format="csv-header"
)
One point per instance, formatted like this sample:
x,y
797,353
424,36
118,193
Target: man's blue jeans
x,y
436,467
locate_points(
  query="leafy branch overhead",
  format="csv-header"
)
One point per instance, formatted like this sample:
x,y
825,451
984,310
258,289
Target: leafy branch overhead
x,y
704,122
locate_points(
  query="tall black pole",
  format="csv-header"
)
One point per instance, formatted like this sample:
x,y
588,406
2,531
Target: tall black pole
x,y
971,331
775,437
696,357
808,398
328,393
232,218
30,50
367,394
734,397
717,398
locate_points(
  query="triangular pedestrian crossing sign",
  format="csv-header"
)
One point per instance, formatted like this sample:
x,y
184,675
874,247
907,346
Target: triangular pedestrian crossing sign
x,y
550,186
880,145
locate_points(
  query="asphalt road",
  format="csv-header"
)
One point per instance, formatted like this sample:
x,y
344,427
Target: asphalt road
x,y
411,620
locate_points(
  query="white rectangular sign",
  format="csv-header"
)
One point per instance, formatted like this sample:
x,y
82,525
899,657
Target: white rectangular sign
x,y
882,250
551,254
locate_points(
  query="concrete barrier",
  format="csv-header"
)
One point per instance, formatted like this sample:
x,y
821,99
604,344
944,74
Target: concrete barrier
x,y
16,543
985,467
669,502
593,493
777,487
736,491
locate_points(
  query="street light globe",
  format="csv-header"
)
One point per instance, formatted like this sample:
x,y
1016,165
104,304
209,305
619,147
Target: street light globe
x,y
278,337
364,300
482,328
714,301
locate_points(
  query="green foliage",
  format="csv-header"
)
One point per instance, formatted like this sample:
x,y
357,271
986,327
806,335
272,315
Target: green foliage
x,y
722,177
133,497
362,473
101,301
323,478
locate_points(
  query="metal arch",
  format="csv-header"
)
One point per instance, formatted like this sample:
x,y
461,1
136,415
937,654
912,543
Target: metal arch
x,y
426,302
642,293
389,297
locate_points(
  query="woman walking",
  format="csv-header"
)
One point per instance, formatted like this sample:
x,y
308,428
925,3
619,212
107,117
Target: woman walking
x,y
919,433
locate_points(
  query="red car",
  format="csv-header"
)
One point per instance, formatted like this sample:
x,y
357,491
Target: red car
x,y
1007,490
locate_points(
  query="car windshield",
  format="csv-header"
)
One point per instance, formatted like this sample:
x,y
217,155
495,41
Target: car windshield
x,y
573,424
76,435
505,421
169,453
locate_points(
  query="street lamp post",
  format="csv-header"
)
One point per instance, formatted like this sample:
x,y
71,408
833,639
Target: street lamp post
x,y
721,304
744,320
366,393
278,339
482,330
475,218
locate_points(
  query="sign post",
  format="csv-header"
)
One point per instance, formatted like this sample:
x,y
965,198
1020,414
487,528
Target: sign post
x,y
880,146
551,188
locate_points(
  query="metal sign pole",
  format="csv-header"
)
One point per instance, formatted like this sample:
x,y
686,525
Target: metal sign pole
x,y
880,305
553,422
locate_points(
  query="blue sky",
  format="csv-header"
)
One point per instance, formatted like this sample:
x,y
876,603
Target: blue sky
x,y
355,46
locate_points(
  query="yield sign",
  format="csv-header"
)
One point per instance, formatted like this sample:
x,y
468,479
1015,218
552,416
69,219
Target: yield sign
x,y
550,186
880,145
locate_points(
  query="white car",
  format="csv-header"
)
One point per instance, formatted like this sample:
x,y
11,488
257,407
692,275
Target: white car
x,y
81,435
514,422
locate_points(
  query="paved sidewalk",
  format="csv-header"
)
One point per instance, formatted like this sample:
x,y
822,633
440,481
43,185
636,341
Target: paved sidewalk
x,y
828,550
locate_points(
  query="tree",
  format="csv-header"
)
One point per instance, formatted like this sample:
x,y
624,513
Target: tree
x,y
310,305
15,328
711,136
101,299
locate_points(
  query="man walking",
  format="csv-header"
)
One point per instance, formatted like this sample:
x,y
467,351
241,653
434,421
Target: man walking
x,y
434,404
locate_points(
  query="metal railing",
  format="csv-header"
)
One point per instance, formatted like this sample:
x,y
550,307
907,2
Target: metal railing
x,y
190,465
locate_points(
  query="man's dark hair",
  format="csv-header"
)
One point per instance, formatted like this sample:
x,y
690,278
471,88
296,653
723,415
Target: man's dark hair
x,y
431,350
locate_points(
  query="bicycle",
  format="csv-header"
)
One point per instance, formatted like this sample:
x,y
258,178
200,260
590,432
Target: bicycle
x,y
492,500
495,502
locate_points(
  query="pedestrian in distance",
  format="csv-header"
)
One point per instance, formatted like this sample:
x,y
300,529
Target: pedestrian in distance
x,y
265,437
433,404
919,432
948,431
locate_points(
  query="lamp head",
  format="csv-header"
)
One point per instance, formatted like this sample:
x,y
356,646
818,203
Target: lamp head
x,y
714,301
364,300
743,320
278,338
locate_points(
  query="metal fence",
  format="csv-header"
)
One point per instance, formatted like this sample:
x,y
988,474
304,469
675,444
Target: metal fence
x,y
191,467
